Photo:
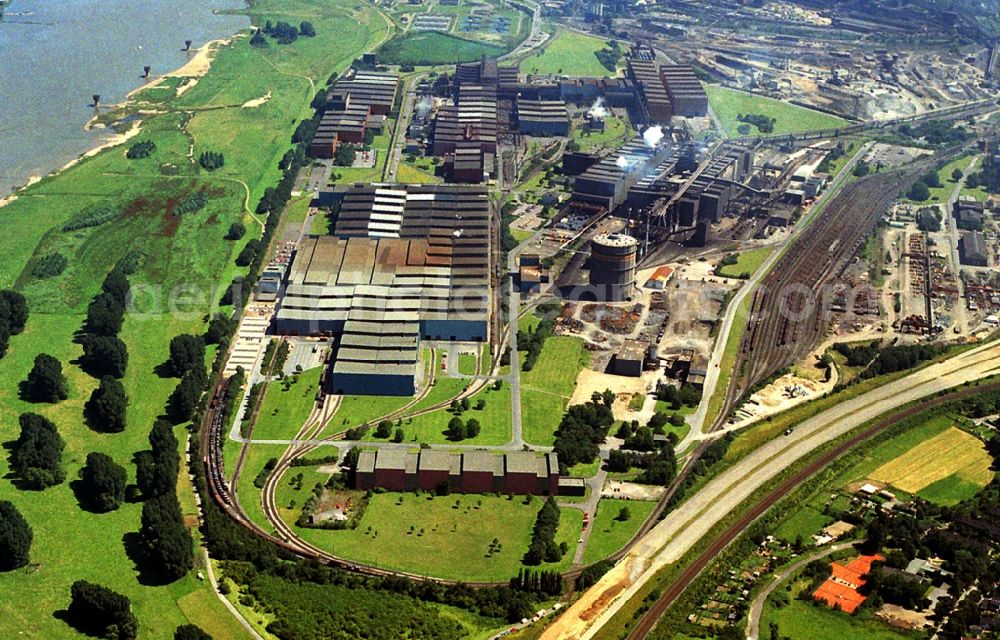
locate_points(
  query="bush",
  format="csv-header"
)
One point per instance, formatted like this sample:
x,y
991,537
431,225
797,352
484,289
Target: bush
x,y
167,543
13,311
211,160
49,266
46,382
106,409
104,356
192,202
105,315
236,231
89,219
15,538
186,353
36,456
102,483
101,612
142,149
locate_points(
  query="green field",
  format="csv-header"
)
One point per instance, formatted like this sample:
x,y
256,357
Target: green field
x,y
730,103
616,131
747,262
804,522
188,248
431,48
942,193
494,418
547,388
571,54
608,535
408,174
455,541
286,406
801,619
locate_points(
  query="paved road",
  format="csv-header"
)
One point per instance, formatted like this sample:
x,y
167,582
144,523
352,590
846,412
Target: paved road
x,y
698,418
757,607
673,537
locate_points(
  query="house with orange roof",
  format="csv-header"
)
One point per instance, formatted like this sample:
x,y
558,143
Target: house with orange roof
x,y
843,588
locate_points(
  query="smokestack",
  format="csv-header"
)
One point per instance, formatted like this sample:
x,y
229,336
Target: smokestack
x,y
146,70
187,45
97,99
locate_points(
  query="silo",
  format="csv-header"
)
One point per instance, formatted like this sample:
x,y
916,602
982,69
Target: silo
x,y
612,265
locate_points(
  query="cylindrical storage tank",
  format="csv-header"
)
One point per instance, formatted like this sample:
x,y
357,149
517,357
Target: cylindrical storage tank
x,y
612,265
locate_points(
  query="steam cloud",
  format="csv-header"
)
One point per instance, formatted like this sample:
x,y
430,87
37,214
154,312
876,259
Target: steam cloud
x,y
597,109
652,136
423,107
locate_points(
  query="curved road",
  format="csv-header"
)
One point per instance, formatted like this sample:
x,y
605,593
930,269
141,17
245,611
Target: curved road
x,y
673,537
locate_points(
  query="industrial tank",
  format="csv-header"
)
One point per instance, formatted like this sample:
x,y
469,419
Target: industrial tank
x,y
612,266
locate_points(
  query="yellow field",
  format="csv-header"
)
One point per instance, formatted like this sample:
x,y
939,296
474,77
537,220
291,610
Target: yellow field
x,y
952,452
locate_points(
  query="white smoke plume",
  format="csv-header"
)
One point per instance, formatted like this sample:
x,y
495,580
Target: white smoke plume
x,y
597,110
652,136
423,107
626,162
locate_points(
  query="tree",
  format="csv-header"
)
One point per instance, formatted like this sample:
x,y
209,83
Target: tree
x,y
13,311
4,339
184,399
307,30
236,231
15,537
932,179
398,436
956,174
186,353
106,409
623,514
456,429
116,285
861,169
104,356
258,40
472,428
167,543
919,191
37,453
384,429
219,328
102,483
190,632
46,382
344,155
101,612
248,254
105,315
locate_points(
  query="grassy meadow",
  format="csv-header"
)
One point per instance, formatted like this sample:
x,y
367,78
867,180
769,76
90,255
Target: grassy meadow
x,y
730,103
176,248
569,53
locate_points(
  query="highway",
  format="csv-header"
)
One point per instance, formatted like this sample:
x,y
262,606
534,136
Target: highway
x,y
695,519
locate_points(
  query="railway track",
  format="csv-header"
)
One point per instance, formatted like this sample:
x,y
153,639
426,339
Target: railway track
x,y
788,313
681,583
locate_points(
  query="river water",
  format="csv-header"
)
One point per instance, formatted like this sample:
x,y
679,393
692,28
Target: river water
x,y
55,54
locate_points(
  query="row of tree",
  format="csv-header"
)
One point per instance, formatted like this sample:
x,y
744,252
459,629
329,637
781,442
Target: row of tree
x,y
13,317
543,547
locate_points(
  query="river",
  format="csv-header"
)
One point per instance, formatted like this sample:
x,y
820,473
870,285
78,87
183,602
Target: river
x,y
55,54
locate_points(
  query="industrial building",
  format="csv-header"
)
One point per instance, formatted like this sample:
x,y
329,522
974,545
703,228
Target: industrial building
x,y
612,266
646,76
607,182
629,361
972,250
520,472
465,165
472,119
403,263
687,96
542,117
377,91
351,105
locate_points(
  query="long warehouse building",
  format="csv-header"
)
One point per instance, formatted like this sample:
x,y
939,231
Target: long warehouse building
x,y
404,263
